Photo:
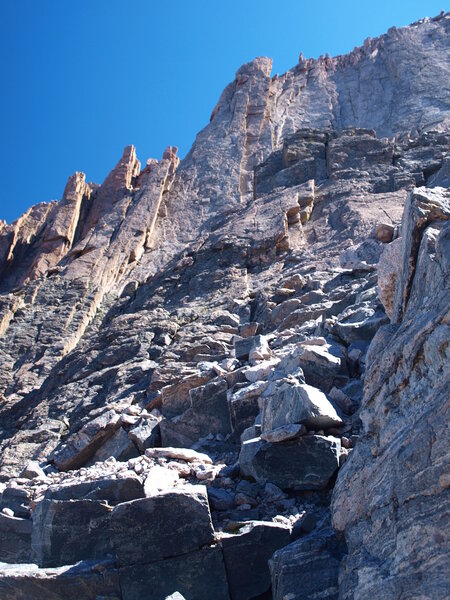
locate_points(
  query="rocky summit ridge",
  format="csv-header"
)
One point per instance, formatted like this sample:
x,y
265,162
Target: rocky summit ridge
x,y
227,377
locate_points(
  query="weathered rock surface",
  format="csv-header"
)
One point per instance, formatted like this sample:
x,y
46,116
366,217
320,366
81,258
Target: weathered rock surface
x,y
287,401
158,580
246,555
89,580
244,292
391,498
306,463
308,568
185,509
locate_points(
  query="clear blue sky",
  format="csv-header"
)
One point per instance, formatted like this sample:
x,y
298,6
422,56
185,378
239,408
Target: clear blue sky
x,y
81,79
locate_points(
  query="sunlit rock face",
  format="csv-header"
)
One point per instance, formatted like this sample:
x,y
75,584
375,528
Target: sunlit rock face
x,y
203,353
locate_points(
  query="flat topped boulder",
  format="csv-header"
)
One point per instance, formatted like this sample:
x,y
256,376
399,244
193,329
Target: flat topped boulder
x,y
288,401
114,491
186,454
164,525
88,580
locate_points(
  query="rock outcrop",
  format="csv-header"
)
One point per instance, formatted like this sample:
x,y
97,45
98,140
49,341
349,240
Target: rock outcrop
x,y
227,377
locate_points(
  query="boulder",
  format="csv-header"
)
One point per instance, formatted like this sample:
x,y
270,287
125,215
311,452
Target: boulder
x,y
305,463
84,444
260,350
220,499
87,580
165,525
145,434
18,500
246,555
185,454
288,401
15,539
242,347
119,446
286,432
359,322
65,532
308,568
384,232
209,413
261,370
113,491
244,405
32,470
319,366
199,574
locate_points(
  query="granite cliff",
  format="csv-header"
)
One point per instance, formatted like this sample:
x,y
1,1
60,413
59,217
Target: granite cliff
x,y
227,377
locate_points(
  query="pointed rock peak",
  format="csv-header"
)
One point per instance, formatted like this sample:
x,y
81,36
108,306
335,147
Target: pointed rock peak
x,y
129,154
260,65
170,152
76,184
124,172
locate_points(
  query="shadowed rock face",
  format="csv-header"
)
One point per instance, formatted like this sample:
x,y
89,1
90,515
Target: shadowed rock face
x,y
231,307
391,499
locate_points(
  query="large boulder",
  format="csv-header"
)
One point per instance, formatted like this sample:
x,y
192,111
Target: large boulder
x,y
65,532
308,568
165,525
246,554
114,491
208,413
15,539
305,463
83,445
85,580
288,401
71,523
199,574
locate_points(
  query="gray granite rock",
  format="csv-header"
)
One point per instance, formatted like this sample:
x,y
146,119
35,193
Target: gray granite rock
x,y
114,491
125,298
220,499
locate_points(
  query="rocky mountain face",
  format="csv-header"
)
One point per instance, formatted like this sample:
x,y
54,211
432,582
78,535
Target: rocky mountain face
x,y
227,377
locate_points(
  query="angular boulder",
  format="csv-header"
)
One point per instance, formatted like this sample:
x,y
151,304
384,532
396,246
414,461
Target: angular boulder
x,y
114,491
246,555
288,401
306,463
308,568
199,574
162,526
85,580
70,531
15,539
